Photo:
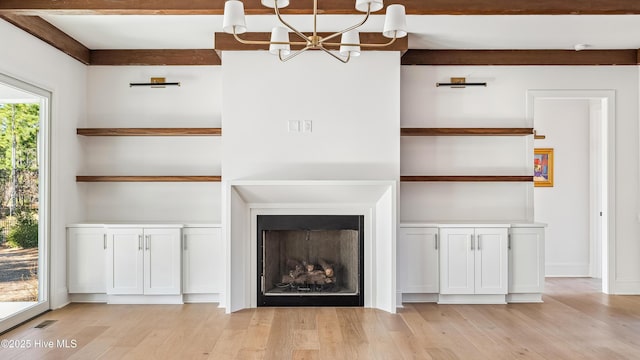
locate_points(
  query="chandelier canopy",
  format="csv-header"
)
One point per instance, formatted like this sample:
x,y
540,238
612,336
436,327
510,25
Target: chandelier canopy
x,y
395,26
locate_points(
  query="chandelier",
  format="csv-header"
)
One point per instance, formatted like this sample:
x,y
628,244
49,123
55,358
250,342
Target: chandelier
x,y
395,26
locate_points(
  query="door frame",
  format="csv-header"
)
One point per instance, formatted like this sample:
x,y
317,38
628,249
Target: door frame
x,y
607,98
44,210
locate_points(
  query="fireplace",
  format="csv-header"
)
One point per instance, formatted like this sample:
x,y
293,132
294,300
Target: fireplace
x,y
310,260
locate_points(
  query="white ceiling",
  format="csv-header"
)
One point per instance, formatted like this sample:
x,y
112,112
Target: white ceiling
x,y
426,31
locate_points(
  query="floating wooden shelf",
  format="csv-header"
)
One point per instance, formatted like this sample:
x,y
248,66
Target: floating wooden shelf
x,y
466,131
148,178
149,131
468,178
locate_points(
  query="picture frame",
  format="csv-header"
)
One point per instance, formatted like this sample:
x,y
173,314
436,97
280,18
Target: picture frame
x,y
543,167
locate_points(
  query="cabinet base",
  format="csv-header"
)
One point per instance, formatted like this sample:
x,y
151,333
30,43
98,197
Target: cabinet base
x,y
144,299
524,298
472,299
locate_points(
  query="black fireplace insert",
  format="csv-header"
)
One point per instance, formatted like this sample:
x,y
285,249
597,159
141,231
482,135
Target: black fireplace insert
x,y
310,260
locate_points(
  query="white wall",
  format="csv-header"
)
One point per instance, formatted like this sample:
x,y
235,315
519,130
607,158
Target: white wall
x,y
23,57
503,103
112,103
565,206
354,109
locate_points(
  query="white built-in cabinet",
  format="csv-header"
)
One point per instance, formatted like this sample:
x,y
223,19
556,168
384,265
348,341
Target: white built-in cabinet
x,y
86,260
143,261
526,264
161,263
418,269
473,261
203,261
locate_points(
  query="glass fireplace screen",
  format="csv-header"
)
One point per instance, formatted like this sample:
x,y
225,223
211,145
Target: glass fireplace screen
x,y
313,262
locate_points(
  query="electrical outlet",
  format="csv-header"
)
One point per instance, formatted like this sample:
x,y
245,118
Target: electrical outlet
x,y
307,126
294,125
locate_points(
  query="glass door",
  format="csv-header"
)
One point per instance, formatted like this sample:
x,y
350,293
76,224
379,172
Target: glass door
x,y
24,119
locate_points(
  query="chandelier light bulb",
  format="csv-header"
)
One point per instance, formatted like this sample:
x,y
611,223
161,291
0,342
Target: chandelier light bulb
x,y
395,22
233,20
350,37
280,35
272,3
362,5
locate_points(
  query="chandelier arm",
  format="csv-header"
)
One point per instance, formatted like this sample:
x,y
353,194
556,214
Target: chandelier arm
x,y
366,17
293,54
303,36
344,61
264,42
365,45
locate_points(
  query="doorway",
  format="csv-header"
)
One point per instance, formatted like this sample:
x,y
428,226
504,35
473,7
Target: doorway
x,y
594,136
24,222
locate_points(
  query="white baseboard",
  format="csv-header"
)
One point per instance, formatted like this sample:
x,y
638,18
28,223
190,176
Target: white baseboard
x,y
201,298
524,298
627,287
144,299
419,298
566,270
88,298
471,299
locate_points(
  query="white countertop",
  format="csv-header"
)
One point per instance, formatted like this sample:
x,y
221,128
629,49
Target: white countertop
x,y
472,223
162,225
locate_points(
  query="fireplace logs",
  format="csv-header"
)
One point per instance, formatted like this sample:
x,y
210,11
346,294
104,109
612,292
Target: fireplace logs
x,y
306,273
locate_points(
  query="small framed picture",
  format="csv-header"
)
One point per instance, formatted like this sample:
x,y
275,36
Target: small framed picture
x,y
543,167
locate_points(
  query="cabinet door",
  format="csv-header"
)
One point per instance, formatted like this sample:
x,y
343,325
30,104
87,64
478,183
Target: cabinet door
x,y
418,267
125,261
491,276
86,260
456,261
526,260
162,267
203,261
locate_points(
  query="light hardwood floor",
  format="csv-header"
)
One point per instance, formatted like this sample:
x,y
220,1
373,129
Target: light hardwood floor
x,y
575,322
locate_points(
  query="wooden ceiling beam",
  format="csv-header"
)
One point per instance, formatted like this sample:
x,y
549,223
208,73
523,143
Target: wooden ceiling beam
x,y
521,57
253,7
155,57
50,34
224,41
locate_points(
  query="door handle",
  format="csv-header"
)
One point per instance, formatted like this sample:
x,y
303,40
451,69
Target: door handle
x,y
472,243
184,241
104,241
479,242
147,242
509,241
436,241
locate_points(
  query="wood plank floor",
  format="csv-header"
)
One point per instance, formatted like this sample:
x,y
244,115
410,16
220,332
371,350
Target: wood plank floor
x,y
575,322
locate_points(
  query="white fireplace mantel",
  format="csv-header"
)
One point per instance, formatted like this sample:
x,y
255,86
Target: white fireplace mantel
x,y
375,199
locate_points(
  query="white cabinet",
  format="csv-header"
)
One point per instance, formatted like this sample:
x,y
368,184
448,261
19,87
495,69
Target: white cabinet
x,y
418,270
143,261
203,261
526,264
86,260
473,261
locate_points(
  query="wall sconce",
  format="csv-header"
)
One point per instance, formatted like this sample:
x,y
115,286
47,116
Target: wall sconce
x,y
156,82
460,82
